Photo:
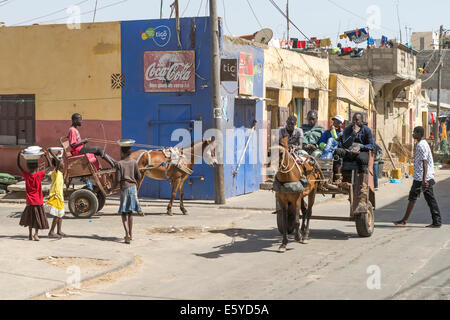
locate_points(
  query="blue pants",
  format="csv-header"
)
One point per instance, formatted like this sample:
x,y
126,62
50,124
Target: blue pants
x,y
331,146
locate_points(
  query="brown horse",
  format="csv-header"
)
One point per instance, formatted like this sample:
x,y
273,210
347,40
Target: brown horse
x,y
155,165
291,203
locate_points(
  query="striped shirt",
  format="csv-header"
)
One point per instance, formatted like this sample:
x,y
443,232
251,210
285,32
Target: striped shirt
x,y
423,152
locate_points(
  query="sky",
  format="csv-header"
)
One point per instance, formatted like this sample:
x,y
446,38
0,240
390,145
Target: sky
x,y
315,18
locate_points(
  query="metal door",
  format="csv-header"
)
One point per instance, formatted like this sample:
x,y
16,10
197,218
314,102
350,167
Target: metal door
x,y
170,118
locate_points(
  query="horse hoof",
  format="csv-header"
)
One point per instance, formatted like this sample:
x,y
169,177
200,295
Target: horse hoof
x,y
298,238
170,213
184,212
282,249
305,241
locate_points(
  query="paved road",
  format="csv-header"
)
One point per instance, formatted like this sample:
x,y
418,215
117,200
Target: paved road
x,y
232,254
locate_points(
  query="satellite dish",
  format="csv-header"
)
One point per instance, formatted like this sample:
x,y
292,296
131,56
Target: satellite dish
x,y
264,36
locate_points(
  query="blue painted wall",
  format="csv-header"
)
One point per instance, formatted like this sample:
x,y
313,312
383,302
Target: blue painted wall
x,y
169,111
139,107
238,120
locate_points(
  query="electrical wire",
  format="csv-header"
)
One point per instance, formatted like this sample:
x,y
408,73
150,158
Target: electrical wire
x,y
187,6
6,2
254,14
437,68
284,15
200,8
225,19
49,14
356,15
91,11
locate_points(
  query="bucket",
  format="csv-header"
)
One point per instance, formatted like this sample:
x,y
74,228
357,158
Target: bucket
x,y
396,174
411,169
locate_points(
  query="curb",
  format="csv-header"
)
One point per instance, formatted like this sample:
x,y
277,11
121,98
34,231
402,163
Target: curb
x,y
120,266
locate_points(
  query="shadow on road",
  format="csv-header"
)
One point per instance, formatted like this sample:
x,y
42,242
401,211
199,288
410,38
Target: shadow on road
x,y
262,240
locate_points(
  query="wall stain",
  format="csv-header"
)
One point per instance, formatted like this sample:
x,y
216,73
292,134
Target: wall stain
x,y
105,48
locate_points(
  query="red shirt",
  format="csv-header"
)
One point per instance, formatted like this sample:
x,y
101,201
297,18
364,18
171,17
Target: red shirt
x,y
33,183
74,137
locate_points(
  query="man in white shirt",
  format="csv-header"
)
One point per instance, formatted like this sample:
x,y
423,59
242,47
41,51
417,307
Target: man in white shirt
x,y
423,180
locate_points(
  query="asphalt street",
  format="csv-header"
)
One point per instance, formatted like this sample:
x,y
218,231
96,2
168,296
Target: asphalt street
x,y
231,253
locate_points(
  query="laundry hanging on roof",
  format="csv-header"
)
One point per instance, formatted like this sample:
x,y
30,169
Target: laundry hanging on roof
x,y
325,42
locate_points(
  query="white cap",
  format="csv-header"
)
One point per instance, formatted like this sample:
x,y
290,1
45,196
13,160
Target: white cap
x,y
339,118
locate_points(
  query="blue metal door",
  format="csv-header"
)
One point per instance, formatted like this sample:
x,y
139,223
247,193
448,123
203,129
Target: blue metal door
x,y
170,118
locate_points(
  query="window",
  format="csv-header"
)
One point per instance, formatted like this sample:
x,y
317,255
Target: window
x,y
17,119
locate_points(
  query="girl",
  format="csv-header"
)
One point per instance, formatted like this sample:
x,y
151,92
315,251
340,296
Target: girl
x,y
55,205
33,216
127,176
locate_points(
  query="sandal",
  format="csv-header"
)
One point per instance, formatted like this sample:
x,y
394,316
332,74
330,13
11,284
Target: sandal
x,y
62,235
36,238
54,236
128,240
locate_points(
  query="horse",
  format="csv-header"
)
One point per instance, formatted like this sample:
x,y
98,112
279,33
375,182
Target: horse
x,y
155,165
291,203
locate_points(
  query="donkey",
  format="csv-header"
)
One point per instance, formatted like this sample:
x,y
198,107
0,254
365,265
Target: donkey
x,y
157,166
291,203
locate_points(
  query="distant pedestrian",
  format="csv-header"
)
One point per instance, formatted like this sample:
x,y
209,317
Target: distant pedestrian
x,y
55,204
423,180
33,216
127,176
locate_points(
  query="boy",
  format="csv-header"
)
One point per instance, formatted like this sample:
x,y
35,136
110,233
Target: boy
x,y
127,176
423,180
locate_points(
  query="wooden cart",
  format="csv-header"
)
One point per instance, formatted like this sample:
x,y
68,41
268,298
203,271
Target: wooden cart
x,y
364,221
86,202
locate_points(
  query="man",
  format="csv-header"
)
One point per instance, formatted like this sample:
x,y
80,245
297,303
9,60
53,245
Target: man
x,y
328,142
295,134
312,134
355,143
78,146
423,180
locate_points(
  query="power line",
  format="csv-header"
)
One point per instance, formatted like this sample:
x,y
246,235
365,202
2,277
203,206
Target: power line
x,y
254,14
355,14
225,19
49,14
284,15
187,6
6,2
91,11
200,8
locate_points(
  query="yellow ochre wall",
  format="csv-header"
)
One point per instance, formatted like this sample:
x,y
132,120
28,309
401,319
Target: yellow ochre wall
x,y
351,88
68,71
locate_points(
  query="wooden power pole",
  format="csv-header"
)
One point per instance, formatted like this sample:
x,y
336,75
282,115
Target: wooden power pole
x,y
438,113
287,20
219,184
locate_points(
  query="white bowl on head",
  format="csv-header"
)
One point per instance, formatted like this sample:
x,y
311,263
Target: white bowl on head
x,y
32,156
33,149
126,142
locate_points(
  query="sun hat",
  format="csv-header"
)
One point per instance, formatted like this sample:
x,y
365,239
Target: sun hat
x,y
339,118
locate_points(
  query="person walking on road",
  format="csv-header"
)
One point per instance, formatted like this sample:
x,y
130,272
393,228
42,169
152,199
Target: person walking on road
x,y
423,181
33,216
55,204
127,176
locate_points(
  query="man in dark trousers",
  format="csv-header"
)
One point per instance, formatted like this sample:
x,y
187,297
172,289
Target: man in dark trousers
x,y
78,146
355,143
423,180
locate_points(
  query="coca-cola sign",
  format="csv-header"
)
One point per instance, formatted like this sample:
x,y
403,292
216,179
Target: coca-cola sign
x,y
169,71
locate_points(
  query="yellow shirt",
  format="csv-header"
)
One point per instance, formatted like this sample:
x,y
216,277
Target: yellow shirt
x,y
56,199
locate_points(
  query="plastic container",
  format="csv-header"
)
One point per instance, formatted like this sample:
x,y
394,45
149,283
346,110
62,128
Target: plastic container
x,y
396,174
411,169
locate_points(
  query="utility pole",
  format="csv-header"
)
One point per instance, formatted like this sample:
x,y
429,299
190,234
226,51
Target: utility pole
x,y
287,18
436,128
219,184
161,9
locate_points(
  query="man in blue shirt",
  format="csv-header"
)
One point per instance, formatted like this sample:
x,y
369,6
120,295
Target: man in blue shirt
x,y
355,143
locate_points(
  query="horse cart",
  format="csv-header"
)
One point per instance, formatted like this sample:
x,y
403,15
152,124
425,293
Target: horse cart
x,y
89,200
351,186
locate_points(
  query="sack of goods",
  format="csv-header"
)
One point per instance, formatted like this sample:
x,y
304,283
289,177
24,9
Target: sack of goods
x,y
291,187
32,153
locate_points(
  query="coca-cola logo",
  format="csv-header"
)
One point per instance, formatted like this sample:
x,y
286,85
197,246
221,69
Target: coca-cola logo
x,y
175,72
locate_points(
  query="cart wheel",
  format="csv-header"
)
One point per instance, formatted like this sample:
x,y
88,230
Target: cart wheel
x,y
83,203
365,223
291,222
